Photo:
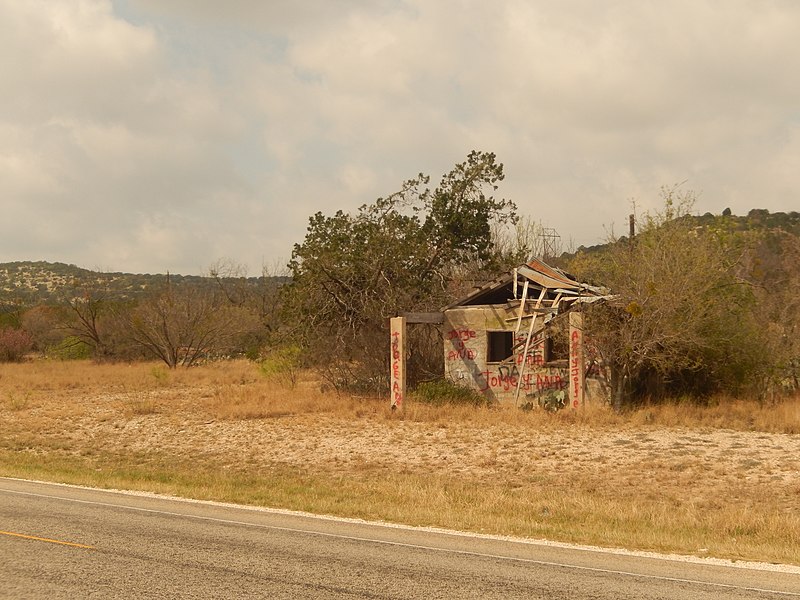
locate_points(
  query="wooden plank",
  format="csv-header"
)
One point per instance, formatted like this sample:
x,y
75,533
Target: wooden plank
x,y
524,360
532,312
522,305
515,283
424,317
541,297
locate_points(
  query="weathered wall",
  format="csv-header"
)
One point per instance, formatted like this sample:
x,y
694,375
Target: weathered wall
x,y
465,358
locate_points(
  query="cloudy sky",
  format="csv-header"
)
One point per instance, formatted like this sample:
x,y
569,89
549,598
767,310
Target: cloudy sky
x,y
155,135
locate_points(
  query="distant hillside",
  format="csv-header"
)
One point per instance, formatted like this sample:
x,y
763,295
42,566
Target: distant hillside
x,y
28,283
756,219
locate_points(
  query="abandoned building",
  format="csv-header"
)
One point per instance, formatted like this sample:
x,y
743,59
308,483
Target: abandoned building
x,y
517,339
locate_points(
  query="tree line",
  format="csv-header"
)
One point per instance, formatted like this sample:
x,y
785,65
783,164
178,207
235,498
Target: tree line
x,y
697,305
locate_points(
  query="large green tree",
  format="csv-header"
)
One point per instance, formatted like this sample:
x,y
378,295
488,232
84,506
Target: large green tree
x,y
354,271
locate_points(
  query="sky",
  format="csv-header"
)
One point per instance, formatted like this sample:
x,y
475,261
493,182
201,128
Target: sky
x,y
147,136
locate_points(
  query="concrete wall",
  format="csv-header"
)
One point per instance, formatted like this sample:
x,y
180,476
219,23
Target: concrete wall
x,y
466,350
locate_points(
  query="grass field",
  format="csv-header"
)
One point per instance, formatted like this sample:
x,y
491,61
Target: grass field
x,y
721,480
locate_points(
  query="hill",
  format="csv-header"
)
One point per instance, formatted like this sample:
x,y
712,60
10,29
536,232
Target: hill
x,y
28,282
758,219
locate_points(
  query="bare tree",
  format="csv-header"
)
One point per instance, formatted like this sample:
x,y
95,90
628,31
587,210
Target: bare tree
x,y
773,268
680,312
88,314
44,323
85,311
183,324
526,239
231,280
260,295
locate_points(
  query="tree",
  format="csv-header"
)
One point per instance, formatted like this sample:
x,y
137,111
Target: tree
x,y
773,269
260,295
183,324
90,316
528,238
400,253
681,316
14,344
44,323
85,312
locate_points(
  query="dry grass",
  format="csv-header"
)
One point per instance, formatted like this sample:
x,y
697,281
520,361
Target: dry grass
x,y
722,480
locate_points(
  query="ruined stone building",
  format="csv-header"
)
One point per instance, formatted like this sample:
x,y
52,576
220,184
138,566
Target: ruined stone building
x,y
519,339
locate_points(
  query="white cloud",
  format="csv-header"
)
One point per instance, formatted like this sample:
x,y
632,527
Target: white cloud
x,y
167,134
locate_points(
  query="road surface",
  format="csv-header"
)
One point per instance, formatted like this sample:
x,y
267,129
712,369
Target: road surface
x,y
70,542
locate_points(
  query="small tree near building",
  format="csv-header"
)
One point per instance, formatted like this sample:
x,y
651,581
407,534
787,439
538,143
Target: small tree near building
x,y
681,317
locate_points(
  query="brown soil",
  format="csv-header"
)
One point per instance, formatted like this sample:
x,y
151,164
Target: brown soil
x,y
707,466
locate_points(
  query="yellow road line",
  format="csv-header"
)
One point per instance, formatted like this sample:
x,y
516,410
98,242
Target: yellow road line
x,y
39,539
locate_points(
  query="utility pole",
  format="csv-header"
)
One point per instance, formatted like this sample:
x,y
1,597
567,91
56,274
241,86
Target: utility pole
x,y
550,239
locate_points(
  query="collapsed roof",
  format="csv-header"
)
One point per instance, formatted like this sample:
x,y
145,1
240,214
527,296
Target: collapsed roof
x,y
534,281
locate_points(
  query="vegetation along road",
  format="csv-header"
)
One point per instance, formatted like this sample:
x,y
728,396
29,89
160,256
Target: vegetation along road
x,y
66,542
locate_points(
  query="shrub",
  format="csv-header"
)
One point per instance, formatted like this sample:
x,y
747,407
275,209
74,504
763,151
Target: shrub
x,y
14,343
160,374
442,391
70,348
554,401
282,363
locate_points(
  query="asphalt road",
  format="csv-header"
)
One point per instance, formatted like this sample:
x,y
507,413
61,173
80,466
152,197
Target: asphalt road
x,y
68,542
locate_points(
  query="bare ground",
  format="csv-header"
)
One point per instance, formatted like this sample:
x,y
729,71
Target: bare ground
x,y
706,466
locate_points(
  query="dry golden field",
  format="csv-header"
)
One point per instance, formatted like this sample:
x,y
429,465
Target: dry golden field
x,y
722,480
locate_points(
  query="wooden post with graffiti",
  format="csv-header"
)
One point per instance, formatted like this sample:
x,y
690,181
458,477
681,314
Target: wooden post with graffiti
x,y
576,361
397,326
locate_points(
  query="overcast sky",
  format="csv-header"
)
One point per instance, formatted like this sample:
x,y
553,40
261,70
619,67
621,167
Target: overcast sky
x,y
155,135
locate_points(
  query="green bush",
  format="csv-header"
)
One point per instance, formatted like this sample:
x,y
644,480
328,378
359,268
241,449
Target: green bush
x,y
442,391
160,374
70,348
282,363
554,401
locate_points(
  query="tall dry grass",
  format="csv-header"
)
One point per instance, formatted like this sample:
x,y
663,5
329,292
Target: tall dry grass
x,y
237,390
781,415
59,420
721,412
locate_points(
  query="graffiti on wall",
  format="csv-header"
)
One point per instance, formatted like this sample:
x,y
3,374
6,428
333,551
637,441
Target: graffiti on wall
x,y
535,355
460,339
576,364
526,371
397,388
506,378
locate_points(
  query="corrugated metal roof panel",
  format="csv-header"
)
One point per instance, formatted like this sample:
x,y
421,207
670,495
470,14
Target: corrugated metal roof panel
x,y
542,275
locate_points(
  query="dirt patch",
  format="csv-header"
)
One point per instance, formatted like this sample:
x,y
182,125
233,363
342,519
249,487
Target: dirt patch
x,y
705,466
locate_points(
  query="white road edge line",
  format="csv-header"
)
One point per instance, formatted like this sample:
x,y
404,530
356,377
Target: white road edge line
x,y
749,565
392,543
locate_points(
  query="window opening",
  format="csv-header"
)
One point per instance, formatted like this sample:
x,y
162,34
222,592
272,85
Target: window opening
x,y
556,345
500,345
